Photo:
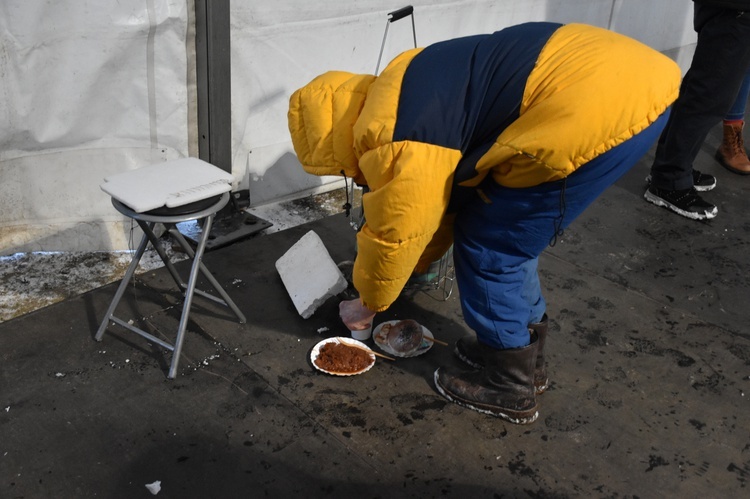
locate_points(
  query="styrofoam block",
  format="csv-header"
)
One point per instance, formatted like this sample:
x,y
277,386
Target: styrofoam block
x,y
310,274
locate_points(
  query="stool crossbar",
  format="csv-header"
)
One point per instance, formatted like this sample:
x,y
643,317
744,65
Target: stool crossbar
x,y
169,219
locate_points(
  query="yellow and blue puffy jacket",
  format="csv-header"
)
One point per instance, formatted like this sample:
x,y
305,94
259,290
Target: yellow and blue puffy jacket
x,y
528,104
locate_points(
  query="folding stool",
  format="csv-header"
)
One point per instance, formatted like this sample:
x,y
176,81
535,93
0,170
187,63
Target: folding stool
x,y
203,211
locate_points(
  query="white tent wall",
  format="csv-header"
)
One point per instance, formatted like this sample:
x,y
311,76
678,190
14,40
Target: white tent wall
x,y
88,88
95,87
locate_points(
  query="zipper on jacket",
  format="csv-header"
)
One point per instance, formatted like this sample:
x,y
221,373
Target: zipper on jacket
x,y
558,223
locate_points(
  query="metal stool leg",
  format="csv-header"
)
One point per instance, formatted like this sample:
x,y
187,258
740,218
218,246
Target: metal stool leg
x,y
189,296
172,229
162,254
225,298
123,285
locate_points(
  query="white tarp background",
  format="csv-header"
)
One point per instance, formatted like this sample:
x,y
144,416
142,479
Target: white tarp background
x,y
93,87
88,88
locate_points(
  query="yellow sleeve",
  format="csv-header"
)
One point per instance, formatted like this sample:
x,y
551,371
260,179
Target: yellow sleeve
x,y
410,186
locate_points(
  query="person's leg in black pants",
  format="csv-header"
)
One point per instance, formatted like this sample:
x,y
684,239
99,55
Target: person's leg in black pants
x,y
721,59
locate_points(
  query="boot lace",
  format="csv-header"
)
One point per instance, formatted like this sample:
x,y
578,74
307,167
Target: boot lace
x,y
736,144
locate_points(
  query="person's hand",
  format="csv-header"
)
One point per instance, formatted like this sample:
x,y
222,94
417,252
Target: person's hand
x,y
355,315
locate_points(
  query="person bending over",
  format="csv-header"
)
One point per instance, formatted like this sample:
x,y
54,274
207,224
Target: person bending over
x,y
491,143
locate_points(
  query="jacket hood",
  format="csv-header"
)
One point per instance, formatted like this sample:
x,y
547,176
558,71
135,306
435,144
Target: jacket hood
x,y
321,121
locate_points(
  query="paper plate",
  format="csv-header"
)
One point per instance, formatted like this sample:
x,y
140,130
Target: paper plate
x,y
347,341
383,345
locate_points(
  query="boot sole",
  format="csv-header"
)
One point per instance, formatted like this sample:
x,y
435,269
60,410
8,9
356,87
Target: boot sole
x,y
539,389
651,198
515,417
726,165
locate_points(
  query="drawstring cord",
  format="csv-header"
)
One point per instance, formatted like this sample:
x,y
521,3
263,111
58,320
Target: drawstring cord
x,y
360,221
356,224
347,206
559,221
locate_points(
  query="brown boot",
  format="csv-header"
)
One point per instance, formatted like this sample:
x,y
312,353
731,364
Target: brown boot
x,y
731,154
503,388
468,349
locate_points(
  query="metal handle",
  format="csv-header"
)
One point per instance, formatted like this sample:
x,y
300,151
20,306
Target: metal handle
x,y
400,13
393,17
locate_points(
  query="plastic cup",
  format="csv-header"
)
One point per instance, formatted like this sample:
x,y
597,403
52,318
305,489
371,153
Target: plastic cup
x,y
362,334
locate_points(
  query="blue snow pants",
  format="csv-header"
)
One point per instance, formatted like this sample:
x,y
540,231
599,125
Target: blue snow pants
x,y
498,238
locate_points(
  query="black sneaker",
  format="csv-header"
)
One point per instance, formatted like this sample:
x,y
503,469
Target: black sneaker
x,y
684,202
701,181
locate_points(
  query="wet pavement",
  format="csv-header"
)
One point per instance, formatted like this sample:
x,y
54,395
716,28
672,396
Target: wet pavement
x,y
648,354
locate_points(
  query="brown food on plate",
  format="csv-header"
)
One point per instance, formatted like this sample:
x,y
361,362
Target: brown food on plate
x,y
341,358
404,336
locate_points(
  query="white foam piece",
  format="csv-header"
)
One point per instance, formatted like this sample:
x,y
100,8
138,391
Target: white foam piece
x,y
309,274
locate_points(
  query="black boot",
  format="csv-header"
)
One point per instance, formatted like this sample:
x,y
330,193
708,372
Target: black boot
x,y
503,388
468,349
541,380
